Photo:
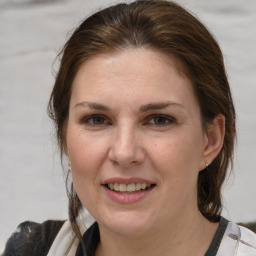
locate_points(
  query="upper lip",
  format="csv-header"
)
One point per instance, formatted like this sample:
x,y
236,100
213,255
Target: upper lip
x,y
126,181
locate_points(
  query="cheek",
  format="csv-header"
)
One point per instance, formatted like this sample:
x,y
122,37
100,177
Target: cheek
x,y
178,156
86,154
177,162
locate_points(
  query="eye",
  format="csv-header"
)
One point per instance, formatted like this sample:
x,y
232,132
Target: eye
x,y
95,120
160,120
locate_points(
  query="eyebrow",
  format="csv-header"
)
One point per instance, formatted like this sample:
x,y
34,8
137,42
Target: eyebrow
x,y
158,106
144,108
93,105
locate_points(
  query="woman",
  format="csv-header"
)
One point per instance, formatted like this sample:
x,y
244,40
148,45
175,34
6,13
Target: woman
x,y
145,117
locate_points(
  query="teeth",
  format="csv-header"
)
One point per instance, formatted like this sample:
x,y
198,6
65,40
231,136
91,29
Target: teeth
x,y
129,187
138,186
116,187
122,187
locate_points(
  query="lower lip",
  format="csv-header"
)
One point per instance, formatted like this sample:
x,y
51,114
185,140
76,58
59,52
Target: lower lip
x,y
128,198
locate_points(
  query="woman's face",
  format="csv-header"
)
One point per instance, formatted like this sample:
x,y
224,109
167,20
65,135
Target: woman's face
x,y
135,141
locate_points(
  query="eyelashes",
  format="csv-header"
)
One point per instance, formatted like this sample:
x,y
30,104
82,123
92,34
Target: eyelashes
x,y
160,120
156,120
95,120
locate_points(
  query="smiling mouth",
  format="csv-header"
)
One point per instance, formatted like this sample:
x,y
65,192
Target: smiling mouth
x,y
128,188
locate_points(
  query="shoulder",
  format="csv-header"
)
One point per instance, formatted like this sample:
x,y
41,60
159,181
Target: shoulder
x,y
238,241
32,238
248,237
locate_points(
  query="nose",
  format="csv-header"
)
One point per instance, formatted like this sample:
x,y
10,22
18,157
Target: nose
x,y
126,149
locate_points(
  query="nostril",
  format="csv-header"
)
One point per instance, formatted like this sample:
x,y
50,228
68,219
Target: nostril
x,y
126,157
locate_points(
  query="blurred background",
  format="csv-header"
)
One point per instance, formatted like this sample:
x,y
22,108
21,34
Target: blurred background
x,y
31,34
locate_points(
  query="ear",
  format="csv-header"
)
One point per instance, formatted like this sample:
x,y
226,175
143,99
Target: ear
x,y
65,149
67,154
215,133
67,157
64,139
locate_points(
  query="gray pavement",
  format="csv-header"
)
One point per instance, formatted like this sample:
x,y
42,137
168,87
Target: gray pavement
x,y
31,34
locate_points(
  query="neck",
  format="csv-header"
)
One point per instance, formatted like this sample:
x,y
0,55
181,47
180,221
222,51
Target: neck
x,y
190,236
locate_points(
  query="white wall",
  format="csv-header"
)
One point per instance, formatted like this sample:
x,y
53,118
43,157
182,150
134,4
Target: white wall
x,y
31,183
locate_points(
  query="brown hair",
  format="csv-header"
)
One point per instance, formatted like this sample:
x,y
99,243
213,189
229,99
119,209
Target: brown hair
x,y
167,27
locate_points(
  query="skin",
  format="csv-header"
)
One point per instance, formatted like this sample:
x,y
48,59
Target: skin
x,y
133,115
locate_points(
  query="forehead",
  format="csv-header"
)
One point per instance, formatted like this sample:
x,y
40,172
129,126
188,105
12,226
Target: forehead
x,y
149,56
135,73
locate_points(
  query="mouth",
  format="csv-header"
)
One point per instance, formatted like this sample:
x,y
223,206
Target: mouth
x,y
128,188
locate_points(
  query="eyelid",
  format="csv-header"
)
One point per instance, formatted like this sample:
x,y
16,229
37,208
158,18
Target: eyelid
x,y
85,120
149,120
170,119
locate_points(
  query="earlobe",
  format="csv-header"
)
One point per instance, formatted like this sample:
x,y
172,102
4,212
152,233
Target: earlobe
x,y
215,136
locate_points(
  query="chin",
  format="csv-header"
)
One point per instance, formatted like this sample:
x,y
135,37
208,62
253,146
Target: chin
x,y
127,224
